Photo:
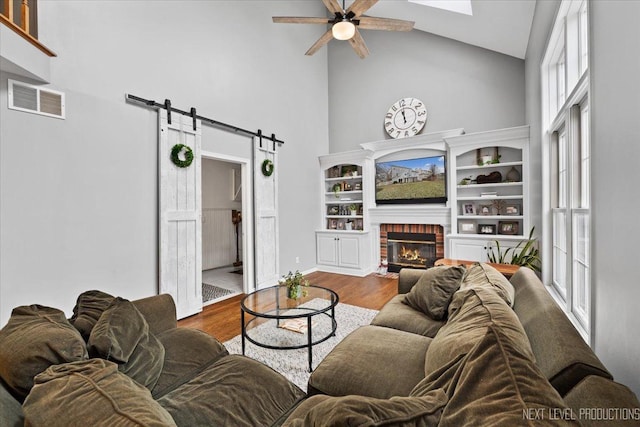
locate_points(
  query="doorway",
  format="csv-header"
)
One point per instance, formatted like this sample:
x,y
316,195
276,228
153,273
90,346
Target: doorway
x,y
226,263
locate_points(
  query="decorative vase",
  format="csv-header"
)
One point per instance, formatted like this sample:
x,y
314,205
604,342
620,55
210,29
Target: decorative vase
x,y
293,292
513,175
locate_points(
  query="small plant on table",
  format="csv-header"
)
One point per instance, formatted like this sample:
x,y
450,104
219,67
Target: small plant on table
x,y
294,283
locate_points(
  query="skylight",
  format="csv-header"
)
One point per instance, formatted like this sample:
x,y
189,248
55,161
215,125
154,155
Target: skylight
x,y
458,6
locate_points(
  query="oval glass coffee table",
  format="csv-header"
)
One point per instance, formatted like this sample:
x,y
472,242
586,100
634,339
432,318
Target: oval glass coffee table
x,y
278,322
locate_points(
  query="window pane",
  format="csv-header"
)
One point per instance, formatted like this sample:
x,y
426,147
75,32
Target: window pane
x,y
562,170
583,38
585,157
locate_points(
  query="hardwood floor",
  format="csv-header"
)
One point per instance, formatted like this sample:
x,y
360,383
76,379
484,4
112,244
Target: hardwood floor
x,y
222,320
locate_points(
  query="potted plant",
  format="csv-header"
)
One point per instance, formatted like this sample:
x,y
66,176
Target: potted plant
x,y
294,283
526,256
354,209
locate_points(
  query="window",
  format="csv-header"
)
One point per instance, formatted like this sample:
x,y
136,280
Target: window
x,y
566,155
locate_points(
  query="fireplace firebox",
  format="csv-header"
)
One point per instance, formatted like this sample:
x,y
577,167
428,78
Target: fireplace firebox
x,y
414,250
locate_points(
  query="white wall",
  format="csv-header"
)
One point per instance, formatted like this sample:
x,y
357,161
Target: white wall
x,y
79,196
614,69
462,86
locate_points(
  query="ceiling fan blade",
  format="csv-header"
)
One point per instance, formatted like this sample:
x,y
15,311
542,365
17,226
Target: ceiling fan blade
x,y
333,6
359,7
357,43
299,20
386,24
324,39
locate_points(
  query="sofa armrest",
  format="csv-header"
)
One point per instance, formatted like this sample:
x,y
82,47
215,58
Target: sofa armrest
x,y
11,414
159,312
408,278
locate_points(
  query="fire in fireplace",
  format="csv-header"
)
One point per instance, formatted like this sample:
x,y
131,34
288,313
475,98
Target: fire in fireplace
x,y
415,250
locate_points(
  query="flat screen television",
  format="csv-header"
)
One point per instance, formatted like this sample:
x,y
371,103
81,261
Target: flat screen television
x,y
416,180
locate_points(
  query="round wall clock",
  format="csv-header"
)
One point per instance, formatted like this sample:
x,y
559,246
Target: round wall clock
x,y
406,117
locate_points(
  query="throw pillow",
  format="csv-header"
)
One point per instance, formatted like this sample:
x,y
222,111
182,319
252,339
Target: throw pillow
x,y
480,274
34,338
368,411
122,335
88,309
433,291
91,393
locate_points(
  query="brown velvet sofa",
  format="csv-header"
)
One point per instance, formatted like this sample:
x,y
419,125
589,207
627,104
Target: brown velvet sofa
x,y
121,363
502,353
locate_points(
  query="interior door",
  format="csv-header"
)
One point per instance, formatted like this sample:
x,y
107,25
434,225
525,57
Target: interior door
x,y
180,233
266,215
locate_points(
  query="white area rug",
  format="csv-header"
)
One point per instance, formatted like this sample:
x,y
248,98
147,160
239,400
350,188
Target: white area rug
x,y
294,364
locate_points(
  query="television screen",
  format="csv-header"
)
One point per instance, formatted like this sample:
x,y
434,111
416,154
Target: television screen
x,y
418,180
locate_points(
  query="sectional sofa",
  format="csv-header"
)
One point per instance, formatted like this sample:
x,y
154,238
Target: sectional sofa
x,y
456,347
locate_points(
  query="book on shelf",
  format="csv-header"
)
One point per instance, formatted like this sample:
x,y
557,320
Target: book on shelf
x,y
296,325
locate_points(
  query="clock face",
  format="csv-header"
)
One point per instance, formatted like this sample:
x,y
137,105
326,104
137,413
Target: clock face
x,y
405,118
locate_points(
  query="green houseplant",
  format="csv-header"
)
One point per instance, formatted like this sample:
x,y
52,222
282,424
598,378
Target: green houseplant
x,y
525,253
294,283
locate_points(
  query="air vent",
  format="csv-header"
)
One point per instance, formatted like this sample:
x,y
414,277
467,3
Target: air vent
x,y
33,99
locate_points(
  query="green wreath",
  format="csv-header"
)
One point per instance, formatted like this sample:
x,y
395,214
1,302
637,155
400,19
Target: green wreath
x,y
188,155
267,167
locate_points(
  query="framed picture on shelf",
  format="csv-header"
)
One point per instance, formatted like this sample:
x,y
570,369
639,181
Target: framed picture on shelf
x,y
511,209
467,227
486,229
359,224
484,209
333,210
468,209
349,170
357,186
508,227
334,172
340,225
333,224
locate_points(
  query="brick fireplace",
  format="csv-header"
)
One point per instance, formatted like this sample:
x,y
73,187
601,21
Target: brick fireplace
x,y
411,245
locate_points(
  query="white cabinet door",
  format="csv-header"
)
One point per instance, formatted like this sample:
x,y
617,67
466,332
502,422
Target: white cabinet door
x,y
327,249
471,250
349,251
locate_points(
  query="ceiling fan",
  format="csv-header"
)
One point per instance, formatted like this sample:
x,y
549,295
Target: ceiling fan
x,y
345,23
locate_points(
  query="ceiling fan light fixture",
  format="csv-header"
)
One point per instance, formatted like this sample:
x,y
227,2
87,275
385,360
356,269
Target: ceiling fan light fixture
x,y
343,30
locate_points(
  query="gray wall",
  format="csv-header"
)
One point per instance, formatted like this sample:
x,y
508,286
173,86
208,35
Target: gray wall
x,y
615,67
462,86
614,70
79,202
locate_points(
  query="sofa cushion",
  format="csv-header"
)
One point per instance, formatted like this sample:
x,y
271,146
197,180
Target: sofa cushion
x,y
122,335
496,383
88,309
34,338
398,315
367,411
598,401
432,293
479,274
471,312
562,354
372,361
91,393
234,391
187,352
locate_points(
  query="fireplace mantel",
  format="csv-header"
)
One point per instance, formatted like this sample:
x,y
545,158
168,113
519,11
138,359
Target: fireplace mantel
x,y
404,214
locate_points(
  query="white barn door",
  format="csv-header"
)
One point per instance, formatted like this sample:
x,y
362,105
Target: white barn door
x,y
180,223
266,217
